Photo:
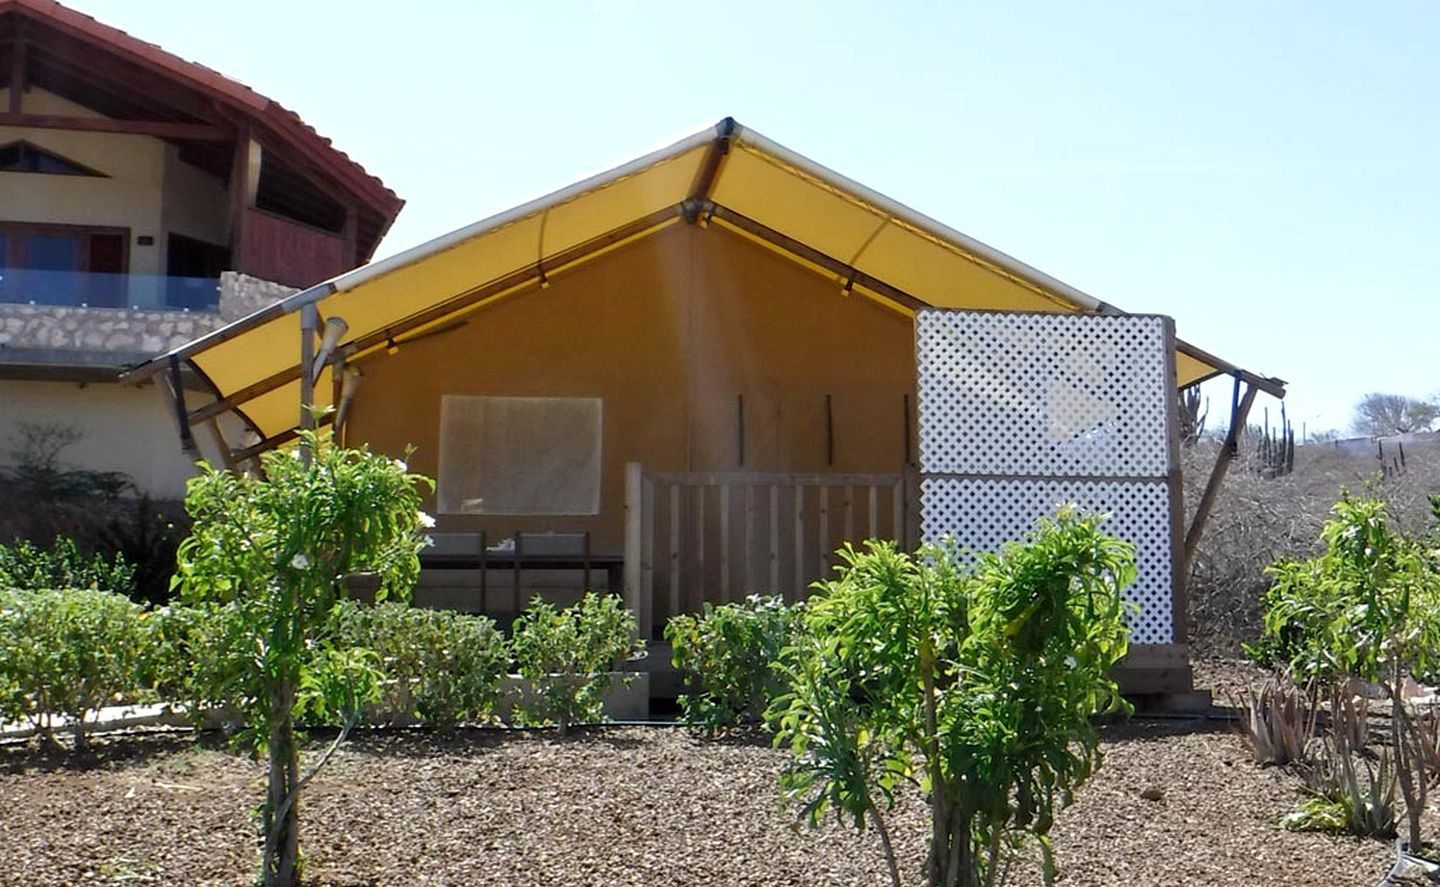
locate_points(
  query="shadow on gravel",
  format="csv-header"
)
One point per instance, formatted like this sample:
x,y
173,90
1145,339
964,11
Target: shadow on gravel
x,y
1142,729
105,751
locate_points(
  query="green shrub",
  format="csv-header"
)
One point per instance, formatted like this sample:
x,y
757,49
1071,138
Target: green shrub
x,y
568,655
199,659
1367,607
726,654
978,680
439,665
69,653
25,565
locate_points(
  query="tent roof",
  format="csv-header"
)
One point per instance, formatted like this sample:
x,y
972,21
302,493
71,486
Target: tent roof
x,y
725,175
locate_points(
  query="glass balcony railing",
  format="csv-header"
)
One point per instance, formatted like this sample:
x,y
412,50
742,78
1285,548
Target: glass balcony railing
x,y
83,289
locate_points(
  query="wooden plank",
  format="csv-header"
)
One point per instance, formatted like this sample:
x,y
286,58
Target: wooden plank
x,y
749,541
774,539
160,129
701,579
799,543
18,86
674,550
724,594
849,513
873,523
647,559
634,484
897,516
822,535
1176,483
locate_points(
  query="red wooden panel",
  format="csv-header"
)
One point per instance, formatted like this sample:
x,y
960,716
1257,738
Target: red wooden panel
x,y
290,253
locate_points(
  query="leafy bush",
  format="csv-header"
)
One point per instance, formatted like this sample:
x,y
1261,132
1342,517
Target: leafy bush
x,y
199,660
441,666
25,565
727,654
1366,608
69,652
568,656
982,679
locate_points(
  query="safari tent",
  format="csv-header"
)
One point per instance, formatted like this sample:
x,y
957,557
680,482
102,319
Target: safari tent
x,y
701,362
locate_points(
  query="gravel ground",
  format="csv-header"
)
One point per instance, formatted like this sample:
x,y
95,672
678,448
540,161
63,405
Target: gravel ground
x,y
1177,802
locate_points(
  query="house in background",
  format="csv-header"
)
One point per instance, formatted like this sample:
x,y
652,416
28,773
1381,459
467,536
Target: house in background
x,y
144,201
703,362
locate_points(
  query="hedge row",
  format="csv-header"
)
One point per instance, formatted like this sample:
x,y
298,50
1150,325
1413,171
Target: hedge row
x,y
68,653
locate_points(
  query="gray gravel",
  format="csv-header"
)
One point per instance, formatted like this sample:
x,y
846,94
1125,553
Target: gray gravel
x,y
1175,803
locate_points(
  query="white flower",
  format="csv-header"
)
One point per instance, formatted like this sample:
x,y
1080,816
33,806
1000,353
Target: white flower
x,y
400,464
300,562
425,520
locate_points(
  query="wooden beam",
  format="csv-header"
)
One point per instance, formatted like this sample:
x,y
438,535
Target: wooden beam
x,y
227,456
160,129
177,398
276,440
634,544
249,392
1239,412
240,199
813,256
1175,481
17,76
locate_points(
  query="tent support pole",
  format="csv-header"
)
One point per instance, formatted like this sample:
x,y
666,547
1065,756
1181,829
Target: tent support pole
x,y
1239,413
309,316
177,399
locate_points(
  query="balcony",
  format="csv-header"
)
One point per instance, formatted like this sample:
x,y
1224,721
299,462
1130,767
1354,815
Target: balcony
x,y
83,289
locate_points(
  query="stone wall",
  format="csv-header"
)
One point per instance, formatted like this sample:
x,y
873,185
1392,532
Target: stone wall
x,y
96,331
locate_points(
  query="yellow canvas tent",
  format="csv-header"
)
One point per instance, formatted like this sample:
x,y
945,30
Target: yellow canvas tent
x,y
726,175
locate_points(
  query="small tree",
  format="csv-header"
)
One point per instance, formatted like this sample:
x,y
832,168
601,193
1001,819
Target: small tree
x,y
275,549
1367,607
979,681
1378,415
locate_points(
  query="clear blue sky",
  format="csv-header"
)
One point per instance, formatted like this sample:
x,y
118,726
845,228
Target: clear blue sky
x,y
1265,172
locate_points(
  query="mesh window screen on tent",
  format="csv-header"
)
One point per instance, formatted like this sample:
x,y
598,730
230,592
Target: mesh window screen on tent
x,y
519,455
1019,413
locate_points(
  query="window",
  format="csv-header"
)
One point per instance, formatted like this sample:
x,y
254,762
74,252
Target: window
x,y
519,455
25,157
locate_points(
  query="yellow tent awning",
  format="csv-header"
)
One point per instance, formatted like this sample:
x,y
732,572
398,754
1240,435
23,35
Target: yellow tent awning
x,y
726,175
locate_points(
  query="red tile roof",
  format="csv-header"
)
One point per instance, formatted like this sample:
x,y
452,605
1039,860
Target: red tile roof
x,y
258,108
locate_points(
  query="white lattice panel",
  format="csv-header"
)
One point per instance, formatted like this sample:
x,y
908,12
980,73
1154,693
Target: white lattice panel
x,y
1042,394
983,514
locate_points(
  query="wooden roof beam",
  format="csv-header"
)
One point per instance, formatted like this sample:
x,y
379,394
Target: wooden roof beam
x,y
814,256
160,129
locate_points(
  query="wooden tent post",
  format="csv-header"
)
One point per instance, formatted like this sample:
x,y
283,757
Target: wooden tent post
x,y
634,543
1239,413
308,317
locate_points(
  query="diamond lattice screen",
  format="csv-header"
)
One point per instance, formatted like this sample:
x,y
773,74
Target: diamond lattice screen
x,y
1021,412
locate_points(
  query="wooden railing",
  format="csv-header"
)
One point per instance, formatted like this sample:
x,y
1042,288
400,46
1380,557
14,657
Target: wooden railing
x,y
692,538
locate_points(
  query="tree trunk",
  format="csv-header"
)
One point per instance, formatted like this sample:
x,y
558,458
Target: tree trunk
x,y
282,837
1406,754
